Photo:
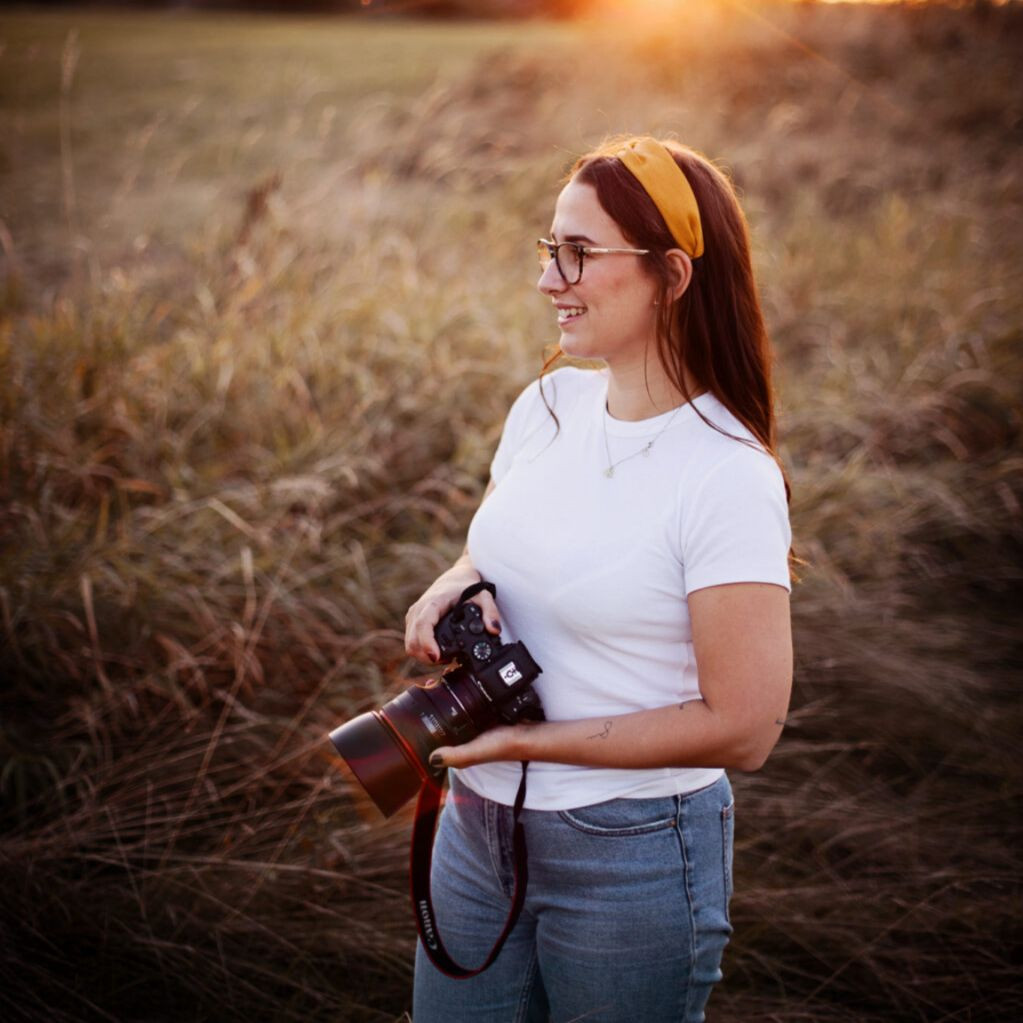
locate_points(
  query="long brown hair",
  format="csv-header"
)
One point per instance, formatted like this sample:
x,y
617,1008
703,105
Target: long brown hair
x,y
716,329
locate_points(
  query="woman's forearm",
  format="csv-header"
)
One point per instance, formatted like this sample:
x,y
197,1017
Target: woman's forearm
x,y
689,734
461,573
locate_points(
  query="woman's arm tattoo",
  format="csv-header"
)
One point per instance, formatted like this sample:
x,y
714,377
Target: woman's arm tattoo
x,y
604,734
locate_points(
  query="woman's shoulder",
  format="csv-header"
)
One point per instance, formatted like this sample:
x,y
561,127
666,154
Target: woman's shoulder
x,y
559,389
726,446
566,382
719,425
539,411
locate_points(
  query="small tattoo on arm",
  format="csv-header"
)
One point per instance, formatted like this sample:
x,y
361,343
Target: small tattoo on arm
x,y
604,734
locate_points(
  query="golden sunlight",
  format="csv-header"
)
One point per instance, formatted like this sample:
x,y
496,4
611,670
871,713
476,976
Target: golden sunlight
x,y
648,13
641,10
650,16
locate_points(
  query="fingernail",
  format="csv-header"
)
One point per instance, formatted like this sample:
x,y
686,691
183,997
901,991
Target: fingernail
x,y
436,760
495,624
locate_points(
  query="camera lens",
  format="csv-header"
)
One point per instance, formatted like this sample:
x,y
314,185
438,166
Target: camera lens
x,y
385,769
389,749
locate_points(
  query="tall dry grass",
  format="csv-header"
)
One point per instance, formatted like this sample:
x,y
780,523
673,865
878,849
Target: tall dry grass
x,y
235,447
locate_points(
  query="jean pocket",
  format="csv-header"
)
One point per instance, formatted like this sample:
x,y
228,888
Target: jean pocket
x,y
727,840
619,817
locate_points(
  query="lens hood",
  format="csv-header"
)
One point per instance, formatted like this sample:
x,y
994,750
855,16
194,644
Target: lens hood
x,y
379,759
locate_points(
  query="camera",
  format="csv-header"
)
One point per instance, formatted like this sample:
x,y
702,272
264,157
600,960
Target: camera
x,y
490,682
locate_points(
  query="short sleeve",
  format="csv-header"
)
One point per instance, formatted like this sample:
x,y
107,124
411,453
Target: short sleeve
x,y
735,525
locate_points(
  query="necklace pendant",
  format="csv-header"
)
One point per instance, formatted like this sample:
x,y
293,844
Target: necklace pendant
x,y
609,471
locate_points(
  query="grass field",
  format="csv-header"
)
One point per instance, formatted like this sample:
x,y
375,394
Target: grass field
x,y
266,296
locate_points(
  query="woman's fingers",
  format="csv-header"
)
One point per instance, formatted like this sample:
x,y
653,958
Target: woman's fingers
x,y
491,616
503,742
425,613
420,622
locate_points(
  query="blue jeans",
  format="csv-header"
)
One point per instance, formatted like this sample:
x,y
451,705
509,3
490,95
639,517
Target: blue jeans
x,y
625,919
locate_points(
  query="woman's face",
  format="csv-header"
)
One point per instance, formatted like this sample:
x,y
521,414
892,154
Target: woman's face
x,y
610,314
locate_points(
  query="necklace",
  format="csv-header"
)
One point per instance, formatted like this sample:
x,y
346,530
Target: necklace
x,y
645,450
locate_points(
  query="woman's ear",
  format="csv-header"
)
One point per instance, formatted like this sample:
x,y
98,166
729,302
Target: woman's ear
x,y
680,269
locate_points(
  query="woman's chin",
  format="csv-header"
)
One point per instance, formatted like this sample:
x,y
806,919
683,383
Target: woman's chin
x,y
571,344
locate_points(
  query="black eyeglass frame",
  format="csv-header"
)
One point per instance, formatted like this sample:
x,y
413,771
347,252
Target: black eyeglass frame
x,y
548,249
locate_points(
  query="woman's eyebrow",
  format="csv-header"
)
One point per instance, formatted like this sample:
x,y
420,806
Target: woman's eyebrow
x,y
573,238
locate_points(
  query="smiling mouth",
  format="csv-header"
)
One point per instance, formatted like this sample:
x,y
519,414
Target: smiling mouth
x,y
570,313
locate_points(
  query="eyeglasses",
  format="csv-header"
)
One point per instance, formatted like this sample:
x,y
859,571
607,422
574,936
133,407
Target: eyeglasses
x,y
568,257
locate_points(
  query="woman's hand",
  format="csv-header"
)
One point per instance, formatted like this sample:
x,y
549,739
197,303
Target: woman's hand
x,y
501,743
422,617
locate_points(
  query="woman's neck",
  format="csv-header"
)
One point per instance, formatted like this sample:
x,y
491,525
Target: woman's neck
x,y
633,394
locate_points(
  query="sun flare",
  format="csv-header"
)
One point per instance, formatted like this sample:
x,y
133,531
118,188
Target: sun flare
x,y
642,10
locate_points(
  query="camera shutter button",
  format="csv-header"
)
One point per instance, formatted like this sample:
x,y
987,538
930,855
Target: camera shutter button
x,y
476,626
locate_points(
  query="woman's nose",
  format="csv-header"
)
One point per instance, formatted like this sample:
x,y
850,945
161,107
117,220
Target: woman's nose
x,y
551,282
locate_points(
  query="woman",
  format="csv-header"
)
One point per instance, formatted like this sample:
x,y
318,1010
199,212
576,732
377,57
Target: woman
x,y
636,529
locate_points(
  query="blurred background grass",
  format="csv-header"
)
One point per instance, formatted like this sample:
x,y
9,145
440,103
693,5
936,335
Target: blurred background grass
x,y
266,296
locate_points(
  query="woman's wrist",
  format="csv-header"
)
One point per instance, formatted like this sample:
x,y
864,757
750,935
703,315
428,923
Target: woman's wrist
x,y
461,570
526,740
459,576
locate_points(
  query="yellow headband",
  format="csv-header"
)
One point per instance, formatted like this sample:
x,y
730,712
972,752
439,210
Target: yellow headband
x,y
662,179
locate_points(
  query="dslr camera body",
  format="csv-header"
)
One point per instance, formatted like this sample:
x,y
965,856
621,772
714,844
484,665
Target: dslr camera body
x,y
490,683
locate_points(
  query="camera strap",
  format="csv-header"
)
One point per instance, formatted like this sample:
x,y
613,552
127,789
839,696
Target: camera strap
x,y
421,858
470,591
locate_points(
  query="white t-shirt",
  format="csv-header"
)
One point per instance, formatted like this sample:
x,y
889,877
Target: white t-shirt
x,y
593,573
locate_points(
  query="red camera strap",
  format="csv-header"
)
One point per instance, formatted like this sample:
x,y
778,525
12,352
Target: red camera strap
x,y
421,858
